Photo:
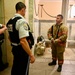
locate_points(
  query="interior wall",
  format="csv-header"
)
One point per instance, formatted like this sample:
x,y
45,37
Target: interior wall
x,y
1,12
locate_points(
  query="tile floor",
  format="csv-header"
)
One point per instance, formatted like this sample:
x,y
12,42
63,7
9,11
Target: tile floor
x,y
40,67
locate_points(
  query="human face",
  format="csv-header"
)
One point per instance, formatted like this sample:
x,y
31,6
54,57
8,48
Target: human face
x,y
58,19
23,11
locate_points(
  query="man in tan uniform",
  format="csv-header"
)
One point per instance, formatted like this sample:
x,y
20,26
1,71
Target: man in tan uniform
x,y
58,35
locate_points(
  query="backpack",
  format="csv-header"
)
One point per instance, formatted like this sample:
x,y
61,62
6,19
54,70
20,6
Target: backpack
x,y
30,38
40,38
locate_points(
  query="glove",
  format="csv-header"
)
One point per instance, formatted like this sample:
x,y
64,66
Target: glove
x,y
57,40
52,40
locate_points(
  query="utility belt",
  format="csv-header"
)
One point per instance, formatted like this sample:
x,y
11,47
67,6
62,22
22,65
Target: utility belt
x,y
1,41
15,44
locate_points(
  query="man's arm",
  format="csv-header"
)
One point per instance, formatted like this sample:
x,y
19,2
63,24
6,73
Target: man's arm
x,y
3,29
50,33
63,37
22,27
26,47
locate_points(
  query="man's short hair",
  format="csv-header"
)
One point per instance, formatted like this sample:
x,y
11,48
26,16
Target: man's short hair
x,y
19,6
60,15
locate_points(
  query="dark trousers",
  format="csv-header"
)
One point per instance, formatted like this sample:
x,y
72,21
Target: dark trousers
x,y
0,56
20,61
1,62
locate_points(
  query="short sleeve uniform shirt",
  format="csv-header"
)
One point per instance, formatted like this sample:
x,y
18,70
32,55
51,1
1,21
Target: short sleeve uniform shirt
x,y
21,26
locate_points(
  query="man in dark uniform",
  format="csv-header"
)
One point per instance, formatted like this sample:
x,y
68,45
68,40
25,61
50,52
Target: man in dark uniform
x,y
2,29
18,33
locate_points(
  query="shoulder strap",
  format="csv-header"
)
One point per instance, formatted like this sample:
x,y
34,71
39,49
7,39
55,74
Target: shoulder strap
x,y
52,30
28,26
12,21
58,31
16,18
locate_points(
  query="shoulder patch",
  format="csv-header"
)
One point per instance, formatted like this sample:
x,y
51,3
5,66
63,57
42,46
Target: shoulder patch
x,y
25,26
10,28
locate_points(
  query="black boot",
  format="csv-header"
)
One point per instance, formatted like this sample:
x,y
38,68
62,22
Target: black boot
x,y
3,66
59,68
52,63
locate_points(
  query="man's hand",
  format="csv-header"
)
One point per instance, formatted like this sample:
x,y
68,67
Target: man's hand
x,y
4,26
32,59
